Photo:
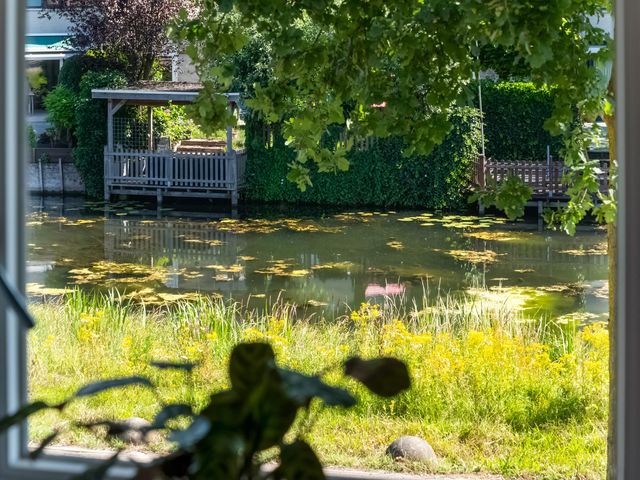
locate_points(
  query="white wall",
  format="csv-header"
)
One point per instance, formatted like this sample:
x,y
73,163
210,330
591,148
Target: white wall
x,y
183,69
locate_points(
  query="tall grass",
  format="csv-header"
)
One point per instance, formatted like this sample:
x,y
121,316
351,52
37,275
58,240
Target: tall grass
x,y
491,390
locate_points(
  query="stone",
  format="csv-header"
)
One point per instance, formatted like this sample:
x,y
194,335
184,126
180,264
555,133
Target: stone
x,y
412,448
135,435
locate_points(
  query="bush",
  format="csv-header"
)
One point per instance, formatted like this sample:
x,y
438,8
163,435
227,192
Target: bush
x,y
61,107
514,117
91,132
172,121
75,67
380,176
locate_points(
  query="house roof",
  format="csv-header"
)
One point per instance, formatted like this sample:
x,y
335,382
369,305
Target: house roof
x,y
157,93
48,46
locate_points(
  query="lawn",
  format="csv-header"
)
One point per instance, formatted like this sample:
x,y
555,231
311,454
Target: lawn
x,y
492,391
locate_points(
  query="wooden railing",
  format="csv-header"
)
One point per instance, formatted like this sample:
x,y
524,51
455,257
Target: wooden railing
x,y
544,178
171,173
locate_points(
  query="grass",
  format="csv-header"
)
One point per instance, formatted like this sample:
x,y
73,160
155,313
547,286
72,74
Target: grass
x,y
492,392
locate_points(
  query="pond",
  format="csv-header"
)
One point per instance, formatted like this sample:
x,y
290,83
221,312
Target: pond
x,y
323,261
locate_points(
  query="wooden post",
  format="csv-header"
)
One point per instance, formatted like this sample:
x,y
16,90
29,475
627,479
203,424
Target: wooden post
x,y
41,177
61,175
107,170
229,139
110,125
150,122
481,171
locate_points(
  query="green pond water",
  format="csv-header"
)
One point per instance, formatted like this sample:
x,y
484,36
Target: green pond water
x,y
325,261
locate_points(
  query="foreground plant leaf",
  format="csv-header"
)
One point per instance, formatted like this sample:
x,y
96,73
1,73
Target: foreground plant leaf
x,y
299,461
383,376
191,435
303,388
98,387
187,366
49,439
22,414
249,363
171,412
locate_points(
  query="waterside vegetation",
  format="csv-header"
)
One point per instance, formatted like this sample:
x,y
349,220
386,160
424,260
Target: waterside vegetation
x,y
491,390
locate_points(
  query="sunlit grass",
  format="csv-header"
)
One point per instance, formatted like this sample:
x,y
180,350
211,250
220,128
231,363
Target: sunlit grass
x,y
491,391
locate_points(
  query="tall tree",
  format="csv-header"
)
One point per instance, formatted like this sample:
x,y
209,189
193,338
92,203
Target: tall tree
x,y
400,68
135,30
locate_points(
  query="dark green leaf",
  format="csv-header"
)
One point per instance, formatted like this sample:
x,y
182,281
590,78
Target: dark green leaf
x,y
42,445
383,376
191,435
22,414
170,412
249,364
298,461
303,388
98,387
272,414
187,367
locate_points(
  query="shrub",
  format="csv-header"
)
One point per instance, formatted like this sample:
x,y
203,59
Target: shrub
x,y
32,137
61,107
75,67
514,117
378,176
172,121
91,132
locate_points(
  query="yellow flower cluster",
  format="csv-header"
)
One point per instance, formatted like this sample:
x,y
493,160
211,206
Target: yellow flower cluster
x,y
366,313
89,323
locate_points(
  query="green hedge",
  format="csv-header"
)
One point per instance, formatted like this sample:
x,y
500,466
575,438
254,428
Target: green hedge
x,y
514,116
91,130
380,176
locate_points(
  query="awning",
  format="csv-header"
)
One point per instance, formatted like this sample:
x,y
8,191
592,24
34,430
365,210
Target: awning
x,y
48,47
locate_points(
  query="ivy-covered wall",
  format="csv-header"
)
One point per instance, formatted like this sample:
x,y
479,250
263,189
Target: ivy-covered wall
x,y
379,176
514,117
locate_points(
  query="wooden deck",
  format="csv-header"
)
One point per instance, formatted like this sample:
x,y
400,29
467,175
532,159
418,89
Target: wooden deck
x,y
174,174
544,178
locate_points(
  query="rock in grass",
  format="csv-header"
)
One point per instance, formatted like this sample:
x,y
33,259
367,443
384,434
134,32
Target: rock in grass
x,y
135,431
412,448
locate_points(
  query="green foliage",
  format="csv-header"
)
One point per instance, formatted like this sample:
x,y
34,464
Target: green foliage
x,y
255,414
378,176
399,69
510,196
482,373
514,121
389,69
61,107
36,79
507,64
172,121
91,131
32,137
76,66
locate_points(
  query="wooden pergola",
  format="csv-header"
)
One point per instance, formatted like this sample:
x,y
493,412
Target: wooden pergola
x,y
204,171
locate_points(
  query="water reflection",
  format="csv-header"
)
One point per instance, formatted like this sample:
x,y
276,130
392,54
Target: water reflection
x,y
330,260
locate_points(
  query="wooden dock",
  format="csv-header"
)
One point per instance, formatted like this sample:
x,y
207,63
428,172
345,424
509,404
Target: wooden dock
x,y
192,168
545,178
174,174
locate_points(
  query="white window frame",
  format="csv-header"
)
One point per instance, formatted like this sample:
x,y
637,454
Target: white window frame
x,y
14,462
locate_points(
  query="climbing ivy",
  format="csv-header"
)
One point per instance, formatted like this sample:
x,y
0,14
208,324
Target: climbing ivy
x,y
378,176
